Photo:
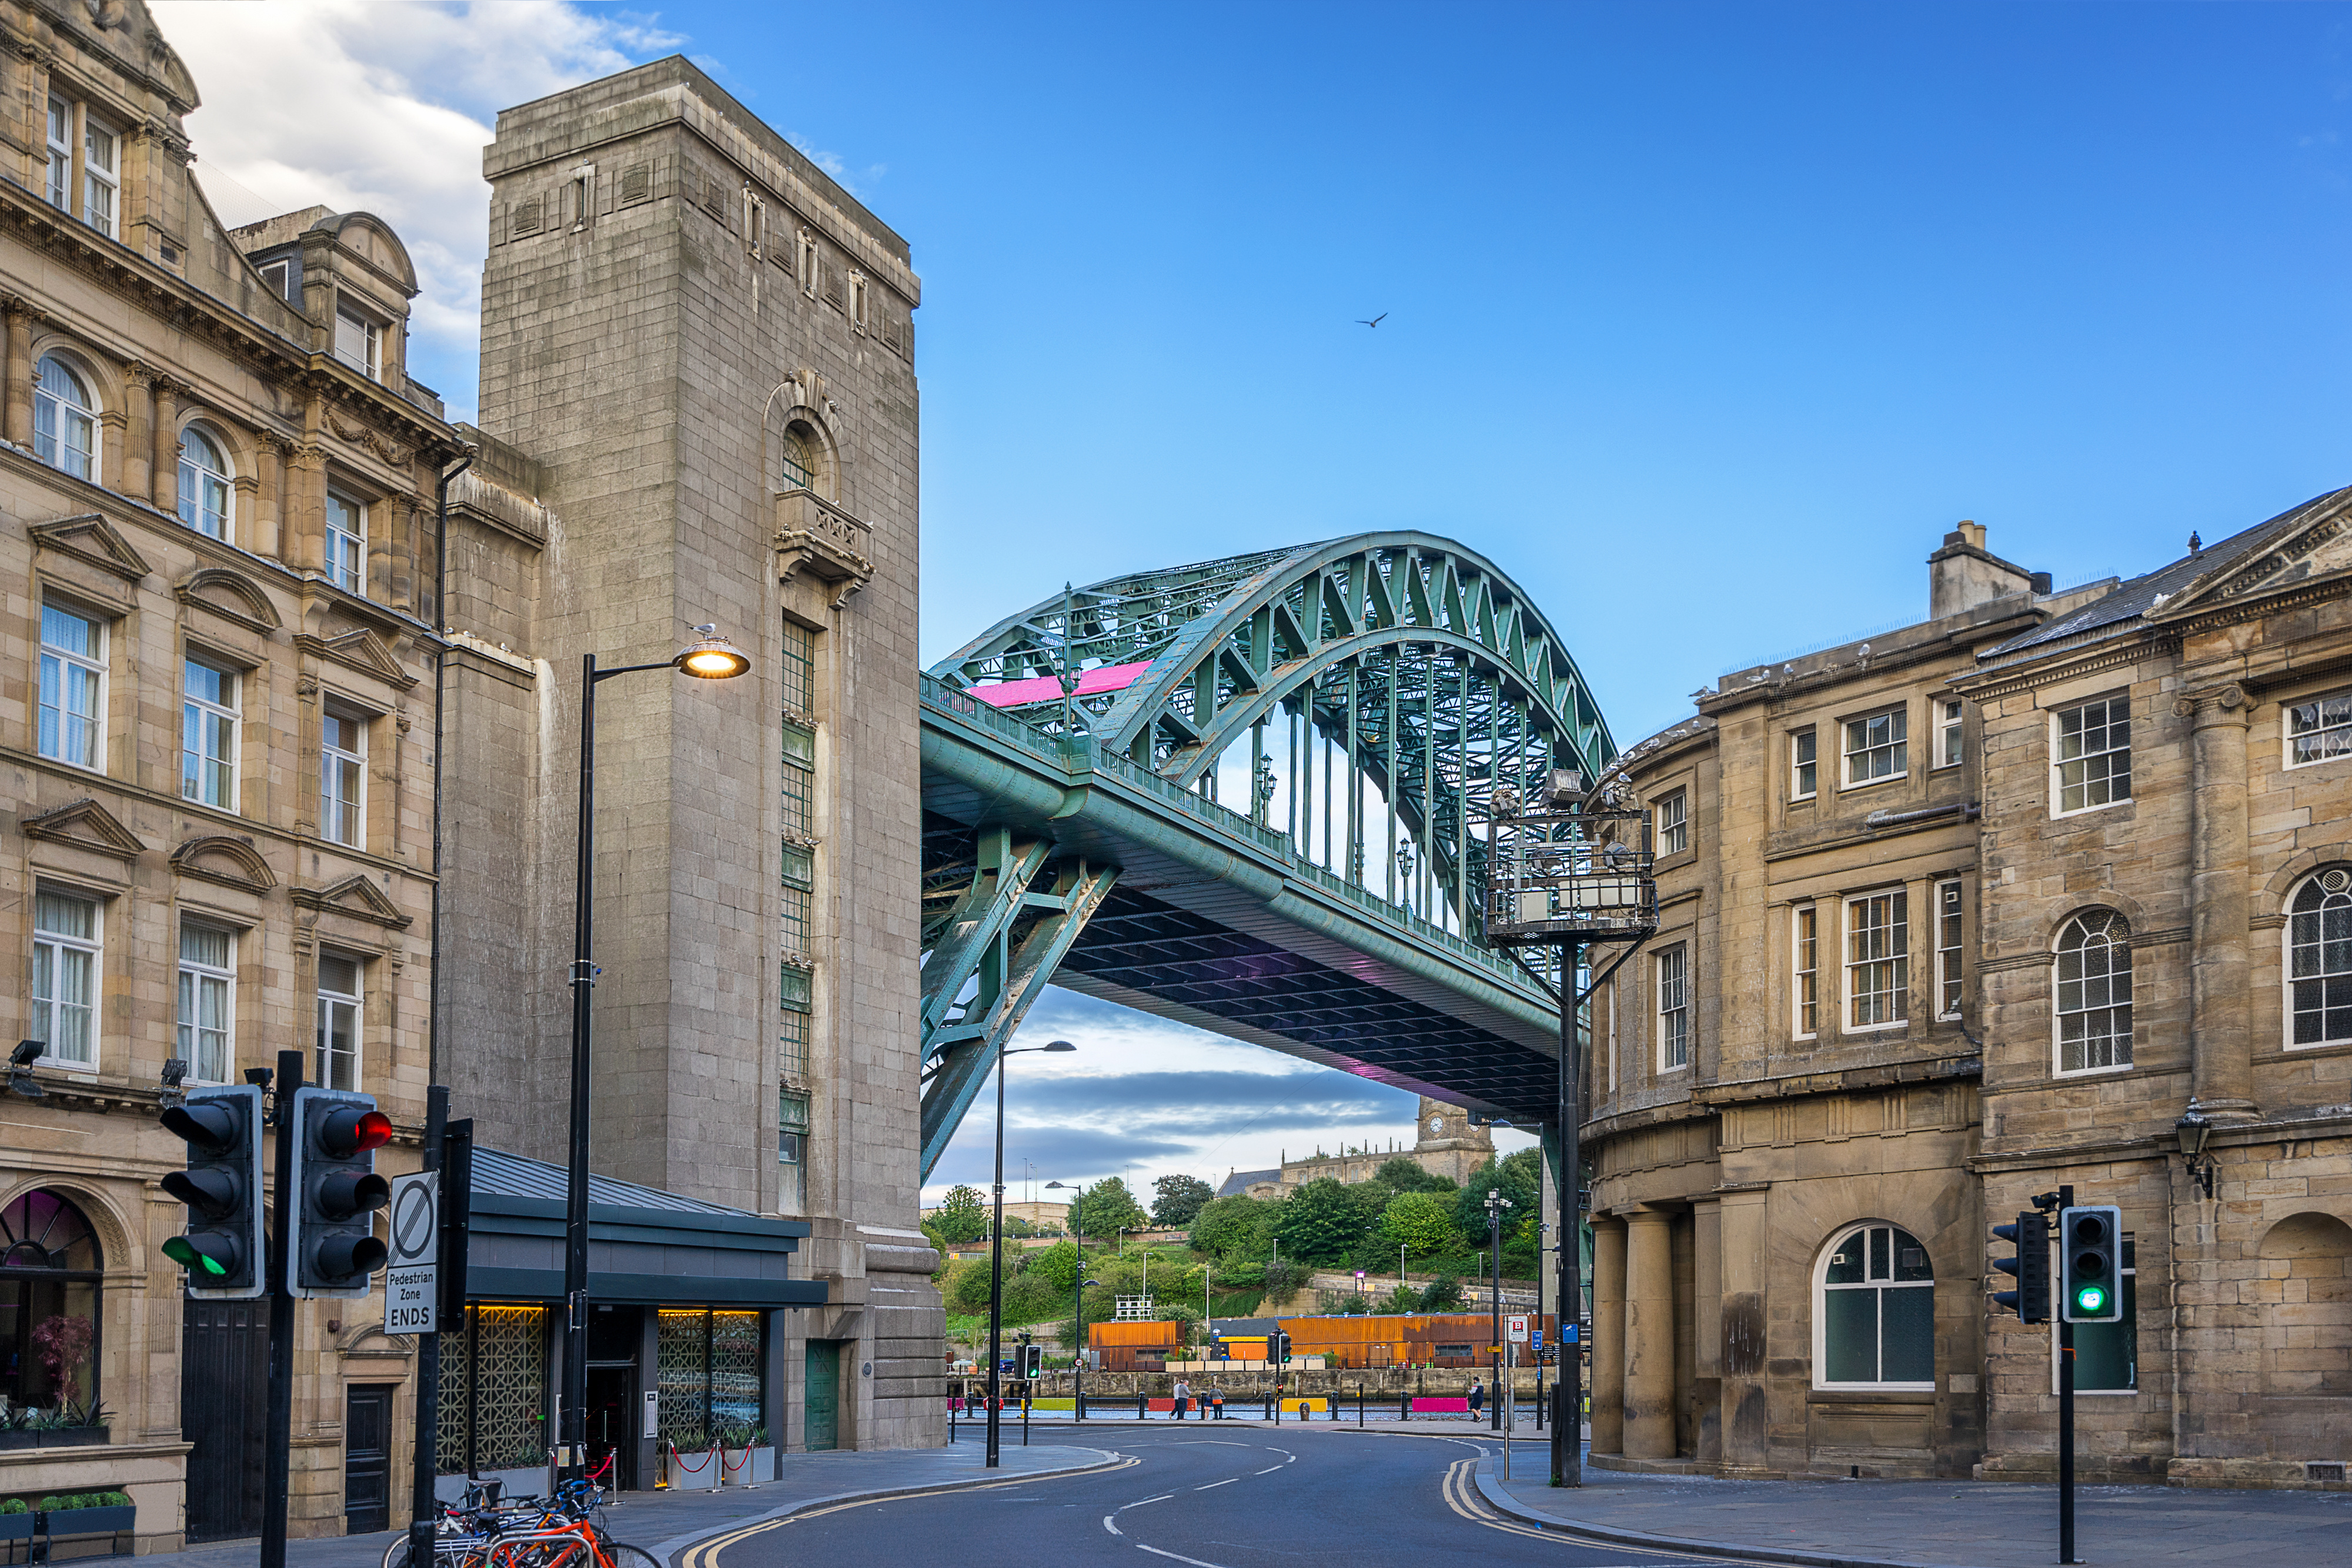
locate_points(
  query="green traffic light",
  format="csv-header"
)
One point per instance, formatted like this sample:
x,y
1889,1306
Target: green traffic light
x,y
2090,1298
185,1253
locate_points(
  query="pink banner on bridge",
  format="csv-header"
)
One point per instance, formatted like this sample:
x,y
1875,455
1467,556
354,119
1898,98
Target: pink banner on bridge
x,y
1046,688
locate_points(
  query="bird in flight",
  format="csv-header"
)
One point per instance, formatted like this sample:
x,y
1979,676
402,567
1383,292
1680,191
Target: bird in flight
x,y
1375,322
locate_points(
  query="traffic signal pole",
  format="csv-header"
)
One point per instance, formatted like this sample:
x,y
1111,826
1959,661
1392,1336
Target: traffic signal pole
x,y
427,1466
278,1446
2065,1402
1568,1311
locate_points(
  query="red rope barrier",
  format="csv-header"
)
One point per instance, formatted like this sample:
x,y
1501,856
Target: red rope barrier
x,y
691,1469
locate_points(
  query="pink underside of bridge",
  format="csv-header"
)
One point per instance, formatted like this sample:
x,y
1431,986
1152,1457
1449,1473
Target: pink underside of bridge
x,y
1045,688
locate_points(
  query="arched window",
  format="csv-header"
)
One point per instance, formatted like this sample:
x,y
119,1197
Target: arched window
x,y
1874,1312
2094,993
797,459
49,1274
204,484
2319,960
65,419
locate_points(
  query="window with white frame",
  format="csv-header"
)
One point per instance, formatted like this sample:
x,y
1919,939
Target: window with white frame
x,y
2092,752
342,776
346,542
1950,937
1805,769
71,727
359,343
2094,993
208,727
1951,747
207,993
279,276
1877,960
341,1003
60,152
205,491
65,419
1805,979
1877,746
1874,1312
101,177
66,951
1674,1009
2319,960
2319,730
1673,823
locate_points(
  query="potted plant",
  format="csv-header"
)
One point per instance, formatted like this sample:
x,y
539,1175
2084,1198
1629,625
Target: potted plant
x,y
71,1425
16,1428
88,1513
18,1520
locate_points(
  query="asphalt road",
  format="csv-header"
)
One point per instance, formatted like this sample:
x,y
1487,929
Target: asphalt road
x,y
1252,1499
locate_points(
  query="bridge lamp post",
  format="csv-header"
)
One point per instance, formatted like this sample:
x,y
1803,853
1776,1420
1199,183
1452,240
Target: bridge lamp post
x,y
996,1252
710,658
1078,1322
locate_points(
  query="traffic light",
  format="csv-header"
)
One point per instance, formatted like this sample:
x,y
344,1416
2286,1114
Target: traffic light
x,y
2031,1237
2090,1247
1277,1347
332,1246
1031,1362
222,1248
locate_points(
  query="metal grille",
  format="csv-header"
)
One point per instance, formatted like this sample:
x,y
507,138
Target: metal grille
x,y
792,919
457,1366
682,1376
510,1393
734,1376
792,1045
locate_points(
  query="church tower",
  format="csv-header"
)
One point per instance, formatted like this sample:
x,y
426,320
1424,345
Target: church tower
x,y
1447,1144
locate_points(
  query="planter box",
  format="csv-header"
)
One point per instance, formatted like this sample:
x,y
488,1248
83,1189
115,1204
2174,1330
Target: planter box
x,y
18,1526
748,1466
72,1437
19,1439
682,1479
92,1520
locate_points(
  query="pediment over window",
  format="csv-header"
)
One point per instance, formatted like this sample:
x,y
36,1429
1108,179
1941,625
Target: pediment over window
x,y
356,896
231,862
2314,546
89,537
87,825
230,594
359,649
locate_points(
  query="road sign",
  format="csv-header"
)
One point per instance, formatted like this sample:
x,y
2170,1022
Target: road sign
x,y
1516,1330
1535,1338
411,1278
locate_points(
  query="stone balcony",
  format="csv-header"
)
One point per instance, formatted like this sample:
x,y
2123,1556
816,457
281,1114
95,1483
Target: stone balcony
x,y
820,538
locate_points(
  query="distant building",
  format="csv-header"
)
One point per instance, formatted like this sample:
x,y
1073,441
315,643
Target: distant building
x,y
1449,1145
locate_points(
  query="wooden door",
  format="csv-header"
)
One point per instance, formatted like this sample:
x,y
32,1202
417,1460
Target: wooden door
x,y
367,1458
225,1413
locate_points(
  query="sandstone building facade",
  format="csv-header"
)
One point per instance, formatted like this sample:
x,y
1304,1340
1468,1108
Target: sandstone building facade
x,y
2039,891
1446,1142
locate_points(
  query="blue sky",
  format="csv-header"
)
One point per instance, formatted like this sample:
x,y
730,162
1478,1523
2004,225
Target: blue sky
x,y
1704,321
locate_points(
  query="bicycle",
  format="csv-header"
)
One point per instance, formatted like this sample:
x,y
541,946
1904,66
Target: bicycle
x,y
484,1531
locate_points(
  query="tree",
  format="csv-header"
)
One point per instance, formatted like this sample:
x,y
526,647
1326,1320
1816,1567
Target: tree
x,y
1107,1208
1422,1223
1235,1229
1322,1222
1403,1175
1180,1199
1058,1264
1441,1295
961,1215
1518,1177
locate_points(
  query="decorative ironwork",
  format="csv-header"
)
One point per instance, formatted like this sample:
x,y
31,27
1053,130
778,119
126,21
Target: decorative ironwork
x,y
494,1390
735,1385
682,1378
1572,869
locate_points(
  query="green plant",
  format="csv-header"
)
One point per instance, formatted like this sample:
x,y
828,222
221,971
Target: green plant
x,y
1180,1199
1441,1295
961,1215
16,1505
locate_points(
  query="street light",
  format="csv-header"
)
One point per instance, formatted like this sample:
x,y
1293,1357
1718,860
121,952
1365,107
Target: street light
x,y
996,1251
1078,1322
1496,1204
710,657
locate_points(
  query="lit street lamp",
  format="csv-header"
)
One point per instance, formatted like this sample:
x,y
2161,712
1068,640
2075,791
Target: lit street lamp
x,y
711,658
996,1252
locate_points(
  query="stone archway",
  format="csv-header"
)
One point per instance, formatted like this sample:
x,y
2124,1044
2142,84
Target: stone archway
x,y
2306,1262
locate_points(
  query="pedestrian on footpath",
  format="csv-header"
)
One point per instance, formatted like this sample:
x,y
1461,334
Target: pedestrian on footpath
x,y
1183,1392
1477,1398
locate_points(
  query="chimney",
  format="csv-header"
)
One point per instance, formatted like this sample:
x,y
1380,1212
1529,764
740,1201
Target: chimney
x,y
1964,574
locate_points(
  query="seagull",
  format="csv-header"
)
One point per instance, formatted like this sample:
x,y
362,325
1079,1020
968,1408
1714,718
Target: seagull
x,y
1375,322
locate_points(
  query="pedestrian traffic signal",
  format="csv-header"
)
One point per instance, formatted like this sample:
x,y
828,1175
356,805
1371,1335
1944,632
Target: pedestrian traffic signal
x,y
1031,1361
2090,1247
332,1248
222,1248
2030,1267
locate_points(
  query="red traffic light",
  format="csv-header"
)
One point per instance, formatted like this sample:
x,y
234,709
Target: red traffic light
x,y
348,1131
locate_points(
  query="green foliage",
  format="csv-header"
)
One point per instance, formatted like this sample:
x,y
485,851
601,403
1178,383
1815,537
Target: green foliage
x,y
1178,1200
1402,1299
1442,1294
1325,1221
1420,1222
1058,1264
1282,1280
1107,1208
1235,1229
1518,1177
16,1505
962,1215
1402,1174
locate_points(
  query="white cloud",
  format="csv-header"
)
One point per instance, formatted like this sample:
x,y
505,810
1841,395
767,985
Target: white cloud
x,y
385,109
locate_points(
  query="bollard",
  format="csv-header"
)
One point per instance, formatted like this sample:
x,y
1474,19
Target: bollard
x,y
1081,1403
1142,1407
1359,1405
1404,1406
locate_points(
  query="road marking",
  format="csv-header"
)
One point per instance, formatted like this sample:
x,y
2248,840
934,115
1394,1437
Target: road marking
x,y
1459,1489
1271,1469
1114,1528
1226,1482
1163,1497
1179,1556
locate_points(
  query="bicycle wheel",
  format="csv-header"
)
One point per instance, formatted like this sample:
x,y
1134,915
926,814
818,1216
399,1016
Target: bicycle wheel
x,y
617,1555
396,1555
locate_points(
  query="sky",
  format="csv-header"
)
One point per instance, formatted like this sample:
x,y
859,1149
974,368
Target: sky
x,y
1705,322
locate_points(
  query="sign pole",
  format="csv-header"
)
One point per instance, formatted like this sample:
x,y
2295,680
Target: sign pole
x,y
422,1507
2065,1407
278,1447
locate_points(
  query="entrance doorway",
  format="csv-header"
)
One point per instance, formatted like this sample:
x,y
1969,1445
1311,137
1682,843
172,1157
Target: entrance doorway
x,y
822,1395
613,1423
367,1459
225,1413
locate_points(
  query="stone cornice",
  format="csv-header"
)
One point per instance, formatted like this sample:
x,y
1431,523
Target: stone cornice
x,y
1844,1081
2027,673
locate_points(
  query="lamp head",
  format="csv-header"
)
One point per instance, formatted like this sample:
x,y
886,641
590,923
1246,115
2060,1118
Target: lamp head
x,y
711,657
2194,1128
27,1052
1061,1045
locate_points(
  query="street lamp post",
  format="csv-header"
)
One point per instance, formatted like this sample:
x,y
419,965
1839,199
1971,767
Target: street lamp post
x,y
1078,1306
711,658
1496,1204
996,1253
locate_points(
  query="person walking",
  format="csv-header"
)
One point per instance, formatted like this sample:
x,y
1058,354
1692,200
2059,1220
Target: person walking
x,y
1183,1392
1477,1398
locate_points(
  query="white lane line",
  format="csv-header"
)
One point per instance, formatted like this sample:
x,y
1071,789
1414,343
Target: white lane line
x,y
1163,1497
1179,1556
1213,1485
1114,1528
1271,1469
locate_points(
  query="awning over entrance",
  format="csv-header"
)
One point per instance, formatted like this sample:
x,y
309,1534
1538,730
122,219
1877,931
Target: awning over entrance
x,y
644,1245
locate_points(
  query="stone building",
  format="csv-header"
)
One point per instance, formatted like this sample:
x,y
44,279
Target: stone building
x,y
216,491
1446,1142
1952,916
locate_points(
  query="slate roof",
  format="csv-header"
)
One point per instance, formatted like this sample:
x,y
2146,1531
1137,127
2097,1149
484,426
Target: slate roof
x,y
1238,1183
2130,600
513,1176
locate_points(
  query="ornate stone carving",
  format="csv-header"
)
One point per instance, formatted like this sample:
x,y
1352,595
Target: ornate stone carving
x,y
87,825
824,541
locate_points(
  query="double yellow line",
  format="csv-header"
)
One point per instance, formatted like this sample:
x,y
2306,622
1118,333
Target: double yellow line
x,y
705,1554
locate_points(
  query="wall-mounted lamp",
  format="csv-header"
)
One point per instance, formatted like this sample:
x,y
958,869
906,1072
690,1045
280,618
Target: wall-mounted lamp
x,y
20,1069
2194,1129
174,1070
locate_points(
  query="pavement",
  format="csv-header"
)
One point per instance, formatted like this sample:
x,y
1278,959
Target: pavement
x,y
1837,1523
666,1523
